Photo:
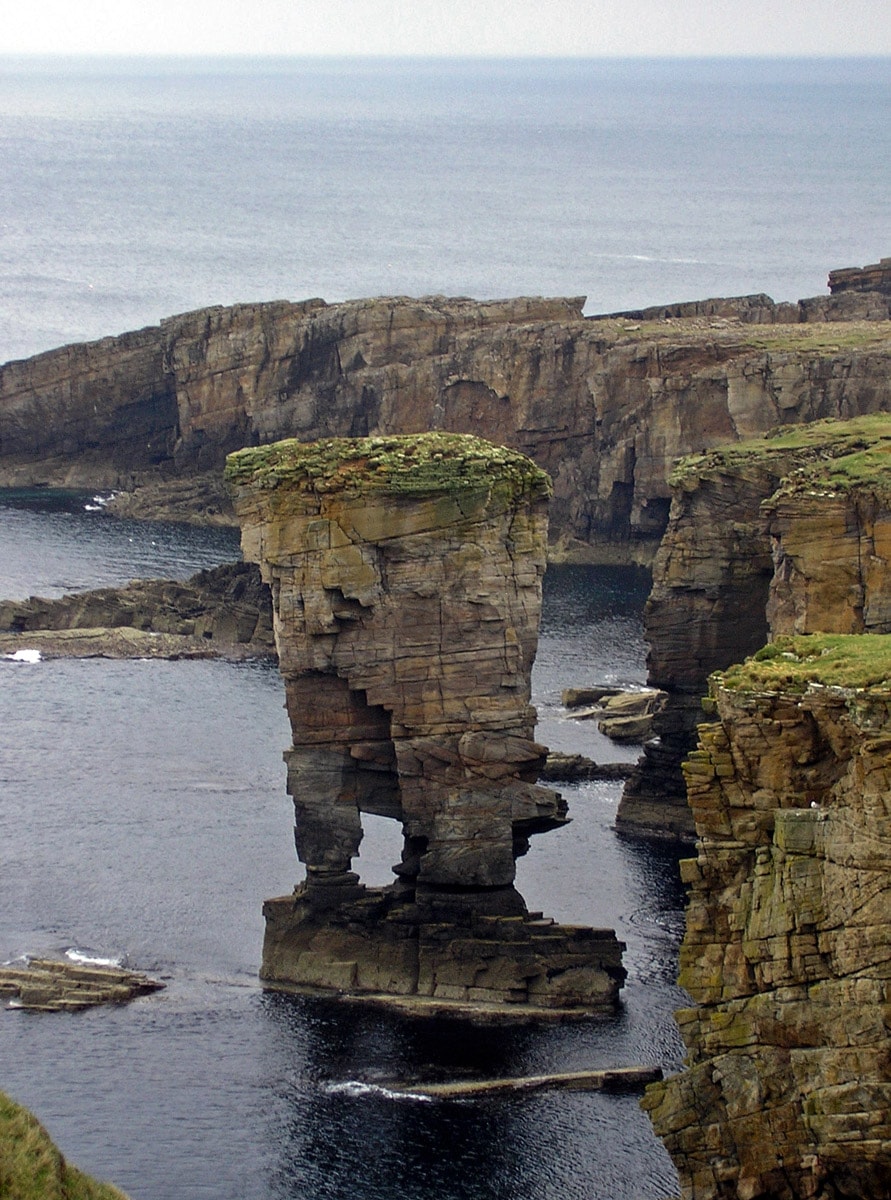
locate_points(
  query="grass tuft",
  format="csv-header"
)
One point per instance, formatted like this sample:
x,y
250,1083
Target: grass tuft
x,y
32,1168
792,664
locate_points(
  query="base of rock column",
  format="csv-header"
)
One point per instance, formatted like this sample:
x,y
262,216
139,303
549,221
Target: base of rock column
x,y
380,949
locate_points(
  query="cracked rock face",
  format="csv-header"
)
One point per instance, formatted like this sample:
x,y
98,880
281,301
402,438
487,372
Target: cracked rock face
x,y
786,953
406,583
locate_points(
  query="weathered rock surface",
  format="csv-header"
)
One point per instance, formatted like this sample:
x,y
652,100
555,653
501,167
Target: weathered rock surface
x,y
784,534
406,583
53,985
874,278
787,1093
223,611
565,768
605,407
623,716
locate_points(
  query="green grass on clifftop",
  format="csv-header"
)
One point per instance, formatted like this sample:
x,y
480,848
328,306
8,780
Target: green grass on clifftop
x,y
422,464
831,455
31,1168
791,664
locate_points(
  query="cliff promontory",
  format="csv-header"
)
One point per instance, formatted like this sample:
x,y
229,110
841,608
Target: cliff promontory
x,y
785,534
786,956
604,405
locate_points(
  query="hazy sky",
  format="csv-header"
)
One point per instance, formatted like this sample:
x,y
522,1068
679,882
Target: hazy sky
x,y
444,27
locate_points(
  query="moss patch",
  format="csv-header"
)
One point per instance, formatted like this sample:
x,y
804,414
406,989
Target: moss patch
x,y
830,454
31,1167
425,464
791,664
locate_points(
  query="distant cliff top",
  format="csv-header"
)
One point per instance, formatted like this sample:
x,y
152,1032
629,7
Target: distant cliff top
x,y
873,278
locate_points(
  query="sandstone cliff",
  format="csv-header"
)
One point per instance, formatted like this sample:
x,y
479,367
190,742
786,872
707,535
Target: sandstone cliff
x,y
604,405
787,1093
406,585
778,535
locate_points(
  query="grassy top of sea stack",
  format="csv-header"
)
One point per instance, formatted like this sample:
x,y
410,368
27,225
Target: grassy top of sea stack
x,y
423,464
794,664
828,455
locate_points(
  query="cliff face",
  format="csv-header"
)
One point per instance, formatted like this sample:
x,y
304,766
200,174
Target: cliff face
x,y
876,278
603,405
786,952
406,585
788,534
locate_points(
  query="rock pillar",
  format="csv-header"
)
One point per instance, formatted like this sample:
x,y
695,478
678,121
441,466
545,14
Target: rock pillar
x,y
406,583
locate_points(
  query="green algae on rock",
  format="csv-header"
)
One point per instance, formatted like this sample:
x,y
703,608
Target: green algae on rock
x,y
834,453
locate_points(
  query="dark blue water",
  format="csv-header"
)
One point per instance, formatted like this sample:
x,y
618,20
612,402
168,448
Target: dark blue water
x,y
143,815
133,191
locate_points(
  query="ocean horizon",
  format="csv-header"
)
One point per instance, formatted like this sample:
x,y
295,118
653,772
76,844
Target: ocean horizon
x,y
135,189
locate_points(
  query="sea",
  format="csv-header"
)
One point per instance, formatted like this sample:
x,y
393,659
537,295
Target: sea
x,y
143,813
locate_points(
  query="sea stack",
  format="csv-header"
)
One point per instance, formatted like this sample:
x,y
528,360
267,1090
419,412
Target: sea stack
x,y
406,582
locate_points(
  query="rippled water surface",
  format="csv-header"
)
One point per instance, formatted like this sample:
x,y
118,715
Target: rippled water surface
x,y
143,814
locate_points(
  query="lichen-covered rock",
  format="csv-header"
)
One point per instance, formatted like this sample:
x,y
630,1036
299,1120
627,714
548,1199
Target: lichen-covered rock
x,y
787,1093
406,583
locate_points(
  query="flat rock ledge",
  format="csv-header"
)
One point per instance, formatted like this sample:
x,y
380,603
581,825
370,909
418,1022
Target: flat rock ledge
x,y
577,768
51,985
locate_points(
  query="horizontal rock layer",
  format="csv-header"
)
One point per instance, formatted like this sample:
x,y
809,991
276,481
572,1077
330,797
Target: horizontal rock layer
x,y
788,534
787,948
603,406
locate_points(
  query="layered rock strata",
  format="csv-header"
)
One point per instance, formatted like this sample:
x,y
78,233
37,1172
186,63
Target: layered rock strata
x,y
787,1092
874,278
224,610
406,584
54,985
778,535
603,405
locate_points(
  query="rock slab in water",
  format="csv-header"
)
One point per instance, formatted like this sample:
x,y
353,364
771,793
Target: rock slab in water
x,y
52,985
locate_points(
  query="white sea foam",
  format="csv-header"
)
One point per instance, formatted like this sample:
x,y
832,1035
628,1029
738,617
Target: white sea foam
x,y
93,960
24,656
356,1088
97,503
